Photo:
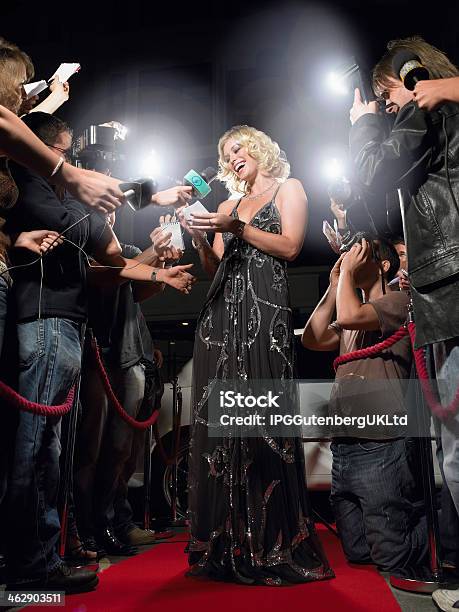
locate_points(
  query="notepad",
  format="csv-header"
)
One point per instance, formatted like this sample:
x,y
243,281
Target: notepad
x,y
175,229
33,89
65,71
193,209
333,237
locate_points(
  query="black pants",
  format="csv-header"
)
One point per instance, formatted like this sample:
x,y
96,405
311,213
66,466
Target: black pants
x,y
104,445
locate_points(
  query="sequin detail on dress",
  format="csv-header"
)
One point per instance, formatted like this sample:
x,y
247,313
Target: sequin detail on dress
x,y
248,506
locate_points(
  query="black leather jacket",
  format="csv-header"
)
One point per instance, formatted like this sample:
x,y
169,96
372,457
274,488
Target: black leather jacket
x,y
412,157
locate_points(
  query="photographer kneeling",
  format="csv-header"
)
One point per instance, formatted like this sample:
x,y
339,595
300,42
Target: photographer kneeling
x,y
373,486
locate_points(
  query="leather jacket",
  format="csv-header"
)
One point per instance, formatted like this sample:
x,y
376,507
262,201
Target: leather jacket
x,y
412,158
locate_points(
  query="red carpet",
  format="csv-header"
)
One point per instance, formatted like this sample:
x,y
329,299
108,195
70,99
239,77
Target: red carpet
x,y
155,580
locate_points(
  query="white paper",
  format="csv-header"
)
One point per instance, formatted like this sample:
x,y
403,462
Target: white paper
x,y
175,229
334,238
65,71
193,209
33,89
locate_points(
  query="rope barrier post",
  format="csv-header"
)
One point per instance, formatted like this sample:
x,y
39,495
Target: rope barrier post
x,y
176,398
147,478
67,480
424,583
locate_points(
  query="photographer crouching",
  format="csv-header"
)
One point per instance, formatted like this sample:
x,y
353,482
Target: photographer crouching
x,y
373,486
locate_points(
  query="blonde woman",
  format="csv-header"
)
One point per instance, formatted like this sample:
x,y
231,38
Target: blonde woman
x,y
249,514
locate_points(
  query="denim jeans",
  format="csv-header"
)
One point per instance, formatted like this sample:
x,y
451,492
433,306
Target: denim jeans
x,y
446,355
50,362
373,497
4,289
104,445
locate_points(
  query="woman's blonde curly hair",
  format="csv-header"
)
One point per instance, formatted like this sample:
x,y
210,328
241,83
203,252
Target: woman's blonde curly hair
x,y
270,158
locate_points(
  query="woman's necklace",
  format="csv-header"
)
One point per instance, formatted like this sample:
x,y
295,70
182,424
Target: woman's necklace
x,y
262,193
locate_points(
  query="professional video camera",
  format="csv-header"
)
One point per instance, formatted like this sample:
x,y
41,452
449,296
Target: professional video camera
x,y
101,148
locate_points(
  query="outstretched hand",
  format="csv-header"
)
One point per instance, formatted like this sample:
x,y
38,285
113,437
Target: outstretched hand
x,y
177,277
38,241
175,196
94,189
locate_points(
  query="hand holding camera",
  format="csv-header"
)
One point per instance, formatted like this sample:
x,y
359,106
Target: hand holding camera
x,y
360,108
335,272
356,257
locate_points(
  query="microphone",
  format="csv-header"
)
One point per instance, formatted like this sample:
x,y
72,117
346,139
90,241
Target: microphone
x,y
200,181
138,192
407,66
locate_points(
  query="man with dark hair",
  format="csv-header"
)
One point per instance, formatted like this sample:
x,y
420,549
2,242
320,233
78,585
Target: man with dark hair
x,y
49,128
373,488
420,155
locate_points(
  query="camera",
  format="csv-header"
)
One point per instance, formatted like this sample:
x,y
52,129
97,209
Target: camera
x,y
341,191
101,148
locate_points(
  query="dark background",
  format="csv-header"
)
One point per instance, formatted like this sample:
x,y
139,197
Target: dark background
x,y
180,75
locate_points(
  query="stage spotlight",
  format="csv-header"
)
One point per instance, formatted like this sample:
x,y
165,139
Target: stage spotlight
x,y
337,83
333,169
151,165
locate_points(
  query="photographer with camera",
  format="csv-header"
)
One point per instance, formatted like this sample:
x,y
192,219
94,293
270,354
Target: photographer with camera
x,y
421,155
373,486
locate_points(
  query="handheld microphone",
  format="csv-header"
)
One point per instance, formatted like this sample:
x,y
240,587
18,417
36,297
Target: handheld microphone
x,y
138,192
407,66
200,181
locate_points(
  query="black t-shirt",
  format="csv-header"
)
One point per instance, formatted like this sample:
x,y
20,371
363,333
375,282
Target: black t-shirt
x,y
63,291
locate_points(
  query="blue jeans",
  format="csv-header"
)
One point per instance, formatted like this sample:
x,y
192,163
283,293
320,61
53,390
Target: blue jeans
x,y
4,289
50,362
373,497
446,355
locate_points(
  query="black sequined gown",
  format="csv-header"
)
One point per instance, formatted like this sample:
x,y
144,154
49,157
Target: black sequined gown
x,y
248,509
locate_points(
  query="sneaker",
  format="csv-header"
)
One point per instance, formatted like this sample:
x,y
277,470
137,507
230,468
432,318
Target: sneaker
x,y
63,578
142,537
446,600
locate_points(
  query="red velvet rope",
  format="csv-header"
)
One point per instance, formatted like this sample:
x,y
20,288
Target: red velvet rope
x,y
12,397
371,351
440,411
114,400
